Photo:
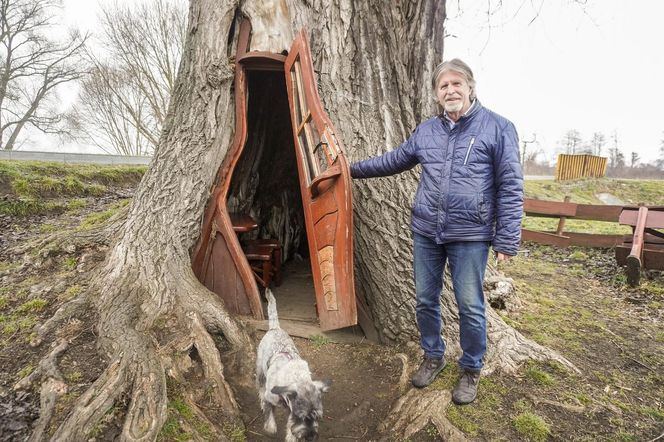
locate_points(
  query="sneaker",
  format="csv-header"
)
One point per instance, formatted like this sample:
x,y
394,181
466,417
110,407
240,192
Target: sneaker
x,y
429,369
466,390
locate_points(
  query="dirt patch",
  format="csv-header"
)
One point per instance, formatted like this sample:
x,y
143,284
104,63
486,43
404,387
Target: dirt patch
x,y
365,384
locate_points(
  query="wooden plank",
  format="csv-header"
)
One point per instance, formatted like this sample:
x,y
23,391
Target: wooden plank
x,y
622,252
594,212
593,240
653,258
655,218
535,207
545,238
647,239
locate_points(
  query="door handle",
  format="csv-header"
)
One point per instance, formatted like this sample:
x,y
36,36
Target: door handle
x,y
329,176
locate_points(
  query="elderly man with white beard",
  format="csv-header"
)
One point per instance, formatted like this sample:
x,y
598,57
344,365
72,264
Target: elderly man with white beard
x,y
469,198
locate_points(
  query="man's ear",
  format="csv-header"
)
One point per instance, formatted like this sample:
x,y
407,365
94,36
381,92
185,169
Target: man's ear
x,y
323,385
284,391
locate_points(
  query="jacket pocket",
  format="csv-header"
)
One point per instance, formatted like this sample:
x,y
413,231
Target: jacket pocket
x,y
470,148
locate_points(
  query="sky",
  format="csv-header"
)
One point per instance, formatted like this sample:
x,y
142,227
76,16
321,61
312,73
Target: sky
x,y
548,66
597,67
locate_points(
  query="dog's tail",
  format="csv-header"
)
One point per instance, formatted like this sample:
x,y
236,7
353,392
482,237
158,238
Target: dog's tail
x,y
272,310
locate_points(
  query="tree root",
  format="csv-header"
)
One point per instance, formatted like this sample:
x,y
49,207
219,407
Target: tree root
x,y
139,372
51,389
94,403
404,378
415,410
509,348
213,369
72,240
573,408
64,313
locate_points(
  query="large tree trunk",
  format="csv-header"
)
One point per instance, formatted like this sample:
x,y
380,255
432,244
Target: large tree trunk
x,y
155,318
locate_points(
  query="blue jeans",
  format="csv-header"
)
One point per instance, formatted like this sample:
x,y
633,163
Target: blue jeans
x,y
467,260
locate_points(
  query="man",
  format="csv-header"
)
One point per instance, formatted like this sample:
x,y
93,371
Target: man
x,y
470,197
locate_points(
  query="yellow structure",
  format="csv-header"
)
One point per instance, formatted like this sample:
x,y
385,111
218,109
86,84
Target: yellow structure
x,y
571,167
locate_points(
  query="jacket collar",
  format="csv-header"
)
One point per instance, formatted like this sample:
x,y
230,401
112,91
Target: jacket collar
x,y
472,111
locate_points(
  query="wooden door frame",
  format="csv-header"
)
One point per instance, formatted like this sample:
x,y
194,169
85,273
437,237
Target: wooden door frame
x,y
320,191
217,219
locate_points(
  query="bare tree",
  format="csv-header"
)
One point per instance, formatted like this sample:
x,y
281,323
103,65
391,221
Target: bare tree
x,y
524,148
124,101
597,142
32,66
572,141
634,159
616,156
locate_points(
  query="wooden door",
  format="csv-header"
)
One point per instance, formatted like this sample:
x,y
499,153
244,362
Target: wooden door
x,y
326,192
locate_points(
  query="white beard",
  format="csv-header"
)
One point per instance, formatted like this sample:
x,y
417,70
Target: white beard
x,y
453,106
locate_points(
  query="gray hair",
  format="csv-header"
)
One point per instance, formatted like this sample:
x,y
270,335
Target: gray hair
x,y
459,67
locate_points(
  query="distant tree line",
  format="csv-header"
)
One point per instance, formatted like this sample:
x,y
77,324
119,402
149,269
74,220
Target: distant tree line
x,y
619,165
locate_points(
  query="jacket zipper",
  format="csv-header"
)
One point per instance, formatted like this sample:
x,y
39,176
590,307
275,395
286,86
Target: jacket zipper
x,y
470,147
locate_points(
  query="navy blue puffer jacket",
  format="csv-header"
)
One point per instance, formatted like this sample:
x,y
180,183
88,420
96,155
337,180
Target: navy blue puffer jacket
x,y
471,187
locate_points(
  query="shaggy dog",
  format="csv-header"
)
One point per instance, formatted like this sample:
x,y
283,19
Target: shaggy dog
x,y
283,378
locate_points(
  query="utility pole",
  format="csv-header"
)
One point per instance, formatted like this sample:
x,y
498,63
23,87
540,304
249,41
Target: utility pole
x,y
523,150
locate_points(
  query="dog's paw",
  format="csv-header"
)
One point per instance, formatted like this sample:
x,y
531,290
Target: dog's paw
x,y
270,426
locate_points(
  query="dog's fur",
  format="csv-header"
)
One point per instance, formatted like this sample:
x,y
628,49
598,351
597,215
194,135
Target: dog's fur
x,y
283,378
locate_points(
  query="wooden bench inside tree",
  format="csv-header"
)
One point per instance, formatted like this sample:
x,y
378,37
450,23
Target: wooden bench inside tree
x,y
644,249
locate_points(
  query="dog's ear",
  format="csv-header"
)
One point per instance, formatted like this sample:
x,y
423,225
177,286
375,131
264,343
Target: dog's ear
x,y
285,391
323,385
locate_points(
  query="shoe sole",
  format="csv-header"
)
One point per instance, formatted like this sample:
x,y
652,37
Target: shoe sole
x,y
457,402
430,380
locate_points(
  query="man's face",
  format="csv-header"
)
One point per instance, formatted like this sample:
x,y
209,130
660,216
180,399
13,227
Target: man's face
x,y
453,92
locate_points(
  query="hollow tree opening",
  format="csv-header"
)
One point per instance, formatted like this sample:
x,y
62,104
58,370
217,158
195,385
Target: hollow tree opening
x,y
265,184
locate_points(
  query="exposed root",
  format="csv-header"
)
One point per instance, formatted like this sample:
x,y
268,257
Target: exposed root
x,y
147,410
415,410
501,294
47,368
215,316
573,408
51,389
72,240
70,309
94,403
509,348
404,378
212,366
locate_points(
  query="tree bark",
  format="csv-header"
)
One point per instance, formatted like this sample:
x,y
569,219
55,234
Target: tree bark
x,y
373,64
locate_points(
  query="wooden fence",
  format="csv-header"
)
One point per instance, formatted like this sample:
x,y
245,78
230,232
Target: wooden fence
x,y
571,167
644,248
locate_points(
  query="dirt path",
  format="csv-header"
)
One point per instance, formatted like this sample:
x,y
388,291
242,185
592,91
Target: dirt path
x,y
365,383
